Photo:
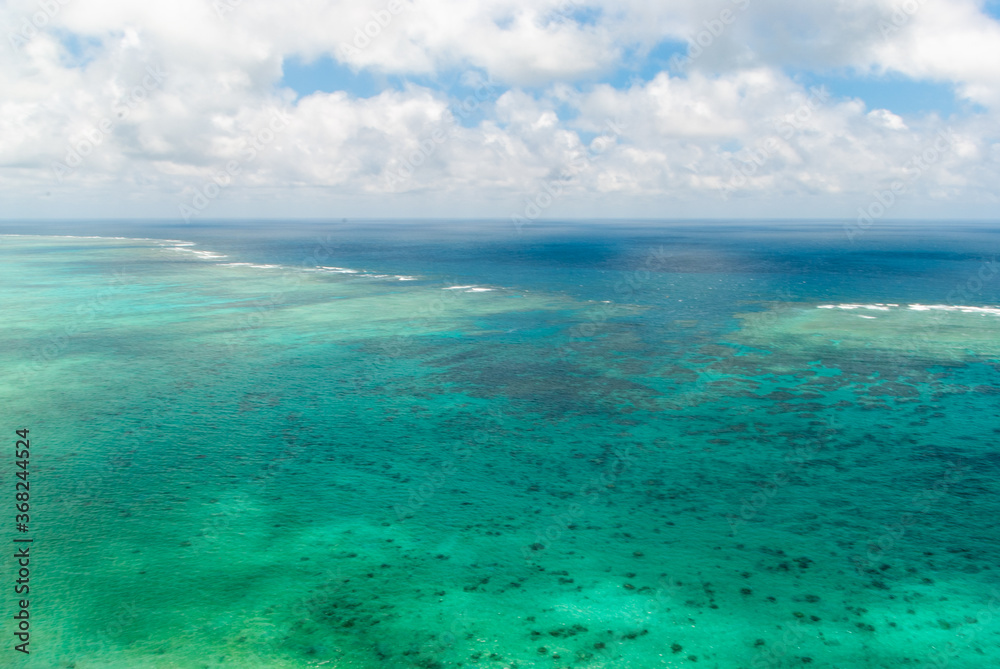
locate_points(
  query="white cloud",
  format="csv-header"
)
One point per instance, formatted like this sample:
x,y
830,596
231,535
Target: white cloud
x,y
734,126
944,41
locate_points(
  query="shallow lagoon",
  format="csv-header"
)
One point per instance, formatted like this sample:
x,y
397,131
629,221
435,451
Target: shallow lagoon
x,y
586,450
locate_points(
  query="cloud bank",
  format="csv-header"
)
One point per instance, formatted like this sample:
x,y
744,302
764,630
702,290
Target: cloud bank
x,y
493,108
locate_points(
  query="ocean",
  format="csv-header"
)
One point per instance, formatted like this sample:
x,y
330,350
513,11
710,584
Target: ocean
x,y
441,444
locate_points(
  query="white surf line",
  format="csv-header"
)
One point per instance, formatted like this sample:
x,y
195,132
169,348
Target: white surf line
x,y
322,269
875,307
966,309
948,307
256,266
179,245
473,288
204,255
130,239
184,246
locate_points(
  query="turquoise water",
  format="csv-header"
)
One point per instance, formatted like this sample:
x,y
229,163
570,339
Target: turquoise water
x,y
343,446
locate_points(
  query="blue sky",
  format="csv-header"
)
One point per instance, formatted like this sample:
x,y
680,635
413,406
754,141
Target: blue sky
x,y
898,93
326,75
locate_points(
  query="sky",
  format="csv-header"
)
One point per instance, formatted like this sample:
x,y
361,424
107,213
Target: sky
x,y
540,109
